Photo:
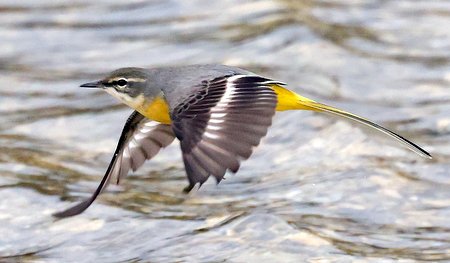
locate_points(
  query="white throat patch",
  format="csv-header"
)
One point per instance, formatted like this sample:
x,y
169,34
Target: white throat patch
x,y
134,103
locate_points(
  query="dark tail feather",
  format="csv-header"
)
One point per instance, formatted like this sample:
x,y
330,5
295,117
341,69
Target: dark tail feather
x,y
328,109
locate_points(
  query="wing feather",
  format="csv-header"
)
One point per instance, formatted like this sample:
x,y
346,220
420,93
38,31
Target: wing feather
x,y
141,139
219,125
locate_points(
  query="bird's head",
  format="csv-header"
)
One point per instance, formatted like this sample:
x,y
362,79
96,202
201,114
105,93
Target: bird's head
x,y
129,85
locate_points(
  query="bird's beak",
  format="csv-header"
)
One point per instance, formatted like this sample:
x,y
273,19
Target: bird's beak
x,y
95,84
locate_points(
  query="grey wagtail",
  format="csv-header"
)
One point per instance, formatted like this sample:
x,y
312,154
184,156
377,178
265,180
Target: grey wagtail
x,y
218,113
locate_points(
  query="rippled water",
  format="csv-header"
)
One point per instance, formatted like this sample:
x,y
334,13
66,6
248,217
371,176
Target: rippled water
x,y
318,189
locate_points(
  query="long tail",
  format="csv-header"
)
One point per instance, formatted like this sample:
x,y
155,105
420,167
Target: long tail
x,y
288,100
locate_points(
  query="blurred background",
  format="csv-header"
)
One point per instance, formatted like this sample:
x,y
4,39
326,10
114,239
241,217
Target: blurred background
x,y
318,189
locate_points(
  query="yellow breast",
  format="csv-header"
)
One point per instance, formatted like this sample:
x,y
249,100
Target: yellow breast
x,y
157,110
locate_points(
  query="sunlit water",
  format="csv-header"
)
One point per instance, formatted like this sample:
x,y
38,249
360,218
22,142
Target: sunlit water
x,y
317,189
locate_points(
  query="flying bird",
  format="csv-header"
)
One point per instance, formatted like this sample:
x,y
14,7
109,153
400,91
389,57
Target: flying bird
x,y
218,113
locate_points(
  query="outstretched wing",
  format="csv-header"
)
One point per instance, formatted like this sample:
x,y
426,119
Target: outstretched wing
x,y
141,139
220,123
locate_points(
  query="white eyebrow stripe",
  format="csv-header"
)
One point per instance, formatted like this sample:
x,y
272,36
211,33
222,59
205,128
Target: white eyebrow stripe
x,y
137,79
134,79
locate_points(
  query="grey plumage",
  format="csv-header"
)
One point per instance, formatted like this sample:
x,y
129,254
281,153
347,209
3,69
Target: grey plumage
x,y
219,114
177,83
231,106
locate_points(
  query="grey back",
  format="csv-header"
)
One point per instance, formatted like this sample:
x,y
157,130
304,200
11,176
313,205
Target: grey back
x,y
177,83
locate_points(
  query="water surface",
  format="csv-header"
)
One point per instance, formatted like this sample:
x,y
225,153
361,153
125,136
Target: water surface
x,y
318,189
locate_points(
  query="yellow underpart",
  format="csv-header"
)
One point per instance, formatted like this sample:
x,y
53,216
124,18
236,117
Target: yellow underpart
x,y
157,110
289,100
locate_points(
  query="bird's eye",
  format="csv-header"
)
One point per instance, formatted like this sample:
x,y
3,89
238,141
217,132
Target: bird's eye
x,y
122,83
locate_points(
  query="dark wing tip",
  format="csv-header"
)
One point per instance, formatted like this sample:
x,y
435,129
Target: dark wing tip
x,y
188,188
74,210
191,186
118,165
427,154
